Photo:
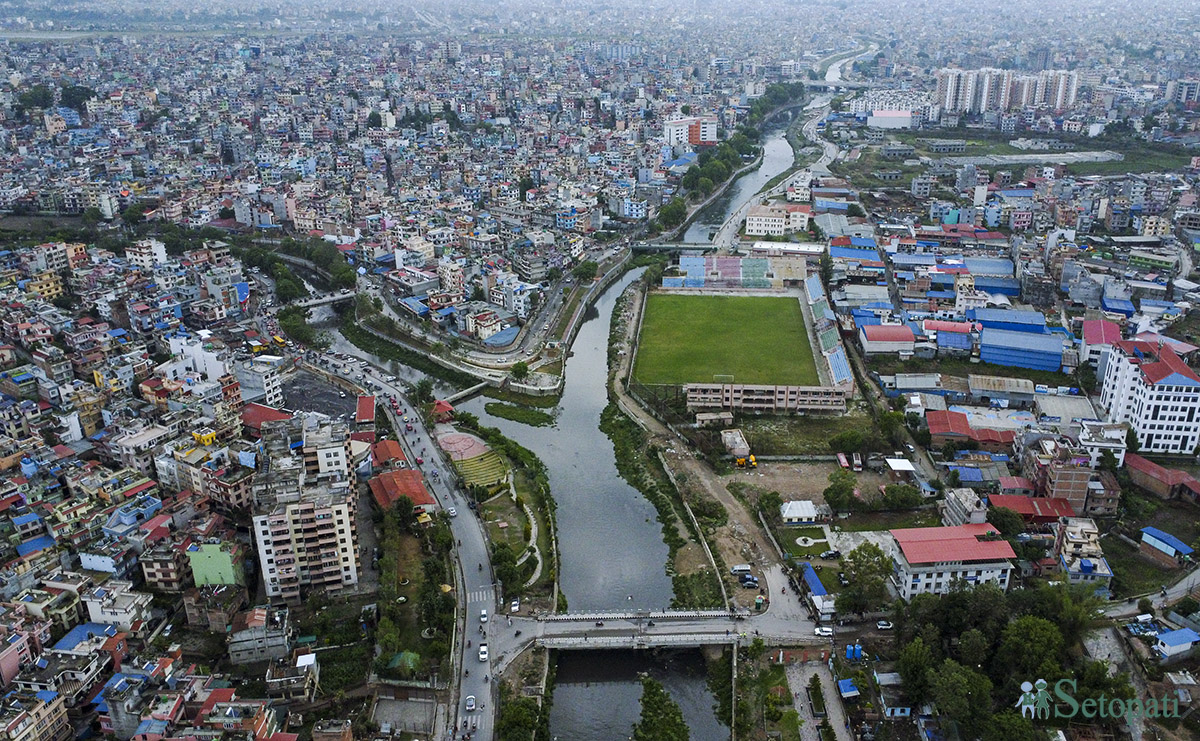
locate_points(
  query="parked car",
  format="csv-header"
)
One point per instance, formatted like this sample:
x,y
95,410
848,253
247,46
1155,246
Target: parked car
x,y
884,625
515,606
823,632
830,555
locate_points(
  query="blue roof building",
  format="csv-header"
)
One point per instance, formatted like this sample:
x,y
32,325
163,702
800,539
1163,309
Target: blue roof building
x,y
1165,543
1175,643
1009,319
1021,349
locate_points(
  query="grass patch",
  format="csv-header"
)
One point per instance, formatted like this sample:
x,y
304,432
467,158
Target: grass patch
x,y
367,342
502,509
800,435
482,470
778,715
524,415
786,537
1137,159
512,397
755,339
1132,573
863,521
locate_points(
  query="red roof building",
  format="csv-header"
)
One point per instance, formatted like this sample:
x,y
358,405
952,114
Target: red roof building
x,y
947,426
886,338
254,415
389,486
1034,510
1168,483
387,453
364,413
935,559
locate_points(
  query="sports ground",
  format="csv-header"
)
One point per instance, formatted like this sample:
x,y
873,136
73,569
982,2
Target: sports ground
x,y
699,339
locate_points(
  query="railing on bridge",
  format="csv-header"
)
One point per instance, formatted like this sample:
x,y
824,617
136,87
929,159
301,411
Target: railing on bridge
x,y
645,614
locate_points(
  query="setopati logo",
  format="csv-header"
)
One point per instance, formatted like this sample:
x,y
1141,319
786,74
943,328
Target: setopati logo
x,y
1037,703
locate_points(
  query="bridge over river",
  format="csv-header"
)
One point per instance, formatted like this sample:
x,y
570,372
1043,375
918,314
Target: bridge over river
x,y
646,629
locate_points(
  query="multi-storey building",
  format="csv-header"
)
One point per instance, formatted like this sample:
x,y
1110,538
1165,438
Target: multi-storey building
x,y
935,559
695,130
1149,386
34,716
305,508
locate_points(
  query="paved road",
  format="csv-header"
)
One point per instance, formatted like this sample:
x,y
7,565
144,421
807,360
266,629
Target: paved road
x,y
477,586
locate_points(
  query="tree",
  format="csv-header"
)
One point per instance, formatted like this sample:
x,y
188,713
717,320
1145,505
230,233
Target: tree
x,y
867,569
1008,726
525,184
855,210
705,185
690,178
585,271
1131,441
661,718
374,120
850,441
685,109
520,370
839,495
901,497
92,216
76,96
826,267
1027,643
38,96
914,667
673,214
133,215
226,213
962,694
973,648
423,391
769,504
1007,521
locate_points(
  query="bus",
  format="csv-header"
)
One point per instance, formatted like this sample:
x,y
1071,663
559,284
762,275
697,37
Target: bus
x,y
842,460
858,463
280,340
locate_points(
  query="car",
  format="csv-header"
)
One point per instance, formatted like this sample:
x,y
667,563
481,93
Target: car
x,y
842,579
545,327
408,428
420,461
830,555
483,616
167,630
750,583
470,703
884,625
910,448
483,652
454,513
515,606
823,632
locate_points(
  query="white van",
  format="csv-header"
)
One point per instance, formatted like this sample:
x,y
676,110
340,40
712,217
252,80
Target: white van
x,y
741,568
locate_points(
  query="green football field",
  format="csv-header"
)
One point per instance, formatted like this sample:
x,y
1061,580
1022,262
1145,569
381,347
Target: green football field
x,y
691,339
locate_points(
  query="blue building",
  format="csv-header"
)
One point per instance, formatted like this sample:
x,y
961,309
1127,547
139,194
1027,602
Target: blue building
x,y
1021,349
1033,322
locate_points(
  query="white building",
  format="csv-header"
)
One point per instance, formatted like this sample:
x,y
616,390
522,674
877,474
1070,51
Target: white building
x,y
146,253
116,603
693,130
261,380
963,506
934,559
773,220
1151,388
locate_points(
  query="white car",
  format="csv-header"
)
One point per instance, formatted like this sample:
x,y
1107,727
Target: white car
x,y
483,652
884,625
515,606
454,513
470,703
823,632
483,616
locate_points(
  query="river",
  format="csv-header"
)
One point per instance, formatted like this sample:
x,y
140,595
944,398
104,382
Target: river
x,y
777,157
611,550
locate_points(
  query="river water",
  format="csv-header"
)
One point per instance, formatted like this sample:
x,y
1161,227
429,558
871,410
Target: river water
x,y
612,553
777,157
